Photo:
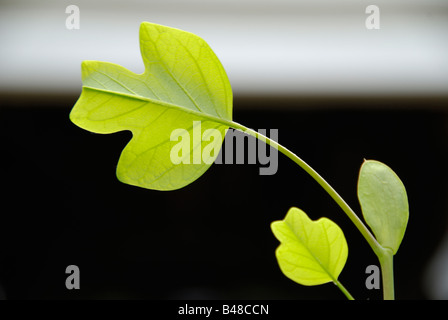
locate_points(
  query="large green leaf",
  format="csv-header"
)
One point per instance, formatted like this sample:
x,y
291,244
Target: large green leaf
x,y
311,252
384,203
184,90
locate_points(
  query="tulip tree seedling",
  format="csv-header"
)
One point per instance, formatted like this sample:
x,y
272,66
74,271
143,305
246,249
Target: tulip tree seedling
x,y
185,88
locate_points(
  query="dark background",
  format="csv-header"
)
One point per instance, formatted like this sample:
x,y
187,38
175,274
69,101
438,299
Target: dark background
x,y
62,204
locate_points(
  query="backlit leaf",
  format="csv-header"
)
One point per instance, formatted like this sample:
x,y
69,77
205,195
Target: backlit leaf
x,y
311,252
184,89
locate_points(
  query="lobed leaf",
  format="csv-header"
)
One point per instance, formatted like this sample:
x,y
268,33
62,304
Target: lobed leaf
x,y
311,252
184,87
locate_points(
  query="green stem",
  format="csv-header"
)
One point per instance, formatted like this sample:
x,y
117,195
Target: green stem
x,y
384,255
344,291
387,271
377,248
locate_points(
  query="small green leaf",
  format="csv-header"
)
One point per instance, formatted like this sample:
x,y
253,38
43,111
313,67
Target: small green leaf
x,y
184,90
384,203
311,252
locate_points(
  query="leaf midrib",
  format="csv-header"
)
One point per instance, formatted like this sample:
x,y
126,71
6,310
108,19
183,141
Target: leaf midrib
x,y
225,122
